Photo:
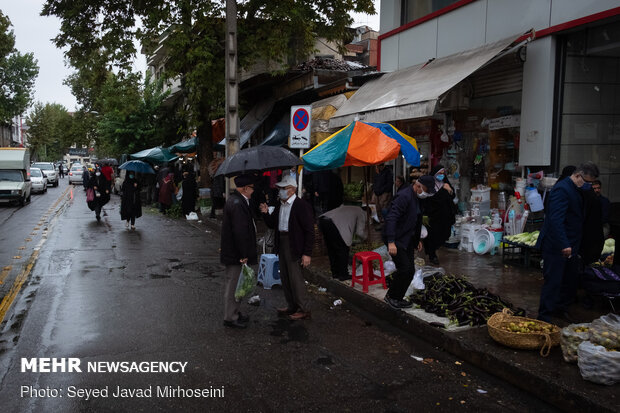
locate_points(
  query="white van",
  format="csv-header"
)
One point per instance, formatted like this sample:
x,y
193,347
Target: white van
x,y
15,182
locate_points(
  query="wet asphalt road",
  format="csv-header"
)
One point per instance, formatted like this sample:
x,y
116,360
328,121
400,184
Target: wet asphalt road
x,y
101,293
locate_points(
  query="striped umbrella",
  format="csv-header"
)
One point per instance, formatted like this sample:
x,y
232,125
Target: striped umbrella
x,y
361,144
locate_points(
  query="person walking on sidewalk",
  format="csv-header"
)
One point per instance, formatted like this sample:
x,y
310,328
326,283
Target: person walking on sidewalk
x,y
238,246
338,227
403,224
559,240
167,192
441,210
131,205
293,221
101,193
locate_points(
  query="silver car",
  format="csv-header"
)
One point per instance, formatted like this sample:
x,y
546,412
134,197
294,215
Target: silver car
x,y
38,179
49,170
75,174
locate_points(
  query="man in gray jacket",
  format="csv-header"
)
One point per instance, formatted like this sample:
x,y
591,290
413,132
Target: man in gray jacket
x,y
338,227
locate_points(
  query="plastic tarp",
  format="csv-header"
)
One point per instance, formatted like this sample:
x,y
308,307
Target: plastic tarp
x,y
413,92
250,122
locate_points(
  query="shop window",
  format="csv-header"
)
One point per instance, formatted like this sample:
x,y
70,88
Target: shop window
x,y
590,106
411,10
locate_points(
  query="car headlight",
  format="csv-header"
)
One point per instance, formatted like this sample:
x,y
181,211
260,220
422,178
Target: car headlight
x,y
16,192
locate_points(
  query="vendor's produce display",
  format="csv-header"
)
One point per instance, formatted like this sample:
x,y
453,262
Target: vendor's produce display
x,y
523,333
457,299
609,246
605,331
525,238
598,364
572,336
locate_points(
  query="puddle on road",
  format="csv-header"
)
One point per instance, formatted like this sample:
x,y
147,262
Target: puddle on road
x,y
325,361
155,276
294,331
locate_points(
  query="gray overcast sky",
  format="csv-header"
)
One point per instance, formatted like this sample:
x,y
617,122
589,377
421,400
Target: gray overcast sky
x,y
33,33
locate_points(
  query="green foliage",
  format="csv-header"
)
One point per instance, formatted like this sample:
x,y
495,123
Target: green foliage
x,y
48,125
17,74
132,115
353,191
175,211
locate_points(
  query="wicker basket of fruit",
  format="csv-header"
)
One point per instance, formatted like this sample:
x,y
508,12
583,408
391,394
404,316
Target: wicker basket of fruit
x,y
523,332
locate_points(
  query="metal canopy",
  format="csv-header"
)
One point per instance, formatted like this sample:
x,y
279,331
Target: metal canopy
x,y
413,92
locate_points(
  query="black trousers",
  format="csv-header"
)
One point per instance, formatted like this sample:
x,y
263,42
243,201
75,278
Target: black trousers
x,y
337,250
405,268
560,286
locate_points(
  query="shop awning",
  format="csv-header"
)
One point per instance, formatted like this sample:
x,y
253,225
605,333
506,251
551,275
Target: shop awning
x,y
250,122
413,92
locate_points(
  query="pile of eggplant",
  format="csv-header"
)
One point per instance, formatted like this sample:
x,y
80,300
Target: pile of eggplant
x,y
457,299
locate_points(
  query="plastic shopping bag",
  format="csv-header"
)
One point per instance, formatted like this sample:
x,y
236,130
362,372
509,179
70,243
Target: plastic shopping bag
x,y
598,364
246,283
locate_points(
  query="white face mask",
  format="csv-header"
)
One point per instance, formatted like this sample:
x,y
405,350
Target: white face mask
x,y
423,195
283,194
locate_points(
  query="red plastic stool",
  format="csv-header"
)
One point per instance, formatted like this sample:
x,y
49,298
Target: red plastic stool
x,y
368,276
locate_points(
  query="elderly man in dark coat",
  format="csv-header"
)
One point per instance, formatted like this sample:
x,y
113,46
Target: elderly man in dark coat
x,y
293,221
403,224
560,239
238,245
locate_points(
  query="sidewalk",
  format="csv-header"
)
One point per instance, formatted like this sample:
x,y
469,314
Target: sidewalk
x,y
551,378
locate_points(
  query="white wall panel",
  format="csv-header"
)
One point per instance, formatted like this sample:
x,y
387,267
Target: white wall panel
x,y
563,11
389,54
389,15
462,29
508,17
537,103
417,44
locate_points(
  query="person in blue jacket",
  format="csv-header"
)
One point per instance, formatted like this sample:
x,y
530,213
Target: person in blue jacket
x,y
560,239
401,234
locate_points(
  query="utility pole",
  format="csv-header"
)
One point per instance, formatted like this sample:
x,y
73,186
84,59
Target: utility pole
x,y
232,87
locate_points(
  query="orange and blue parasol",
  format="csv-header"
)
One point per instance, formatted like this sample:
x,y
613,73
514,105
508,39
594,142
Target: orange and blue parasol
x,y
361,144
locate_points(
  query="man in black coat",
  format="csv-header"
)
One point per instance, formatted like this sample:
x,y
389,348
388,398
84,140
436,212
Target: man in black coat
x,y
560,240
238,245
401,233
382,188
293,221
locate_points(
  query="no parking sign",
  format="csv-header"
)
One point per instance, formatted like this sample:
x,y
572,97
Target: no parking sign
x,y
300,127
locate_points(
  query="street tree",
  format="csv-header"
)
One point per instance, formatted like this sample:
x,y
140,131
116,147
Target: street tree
x,y
132,115
47,131
17,74
193,35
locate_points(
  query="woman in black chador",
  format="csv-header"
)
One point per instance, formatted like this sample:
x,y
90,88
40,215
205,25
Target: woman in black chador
x,y
440,210
101,192
131,205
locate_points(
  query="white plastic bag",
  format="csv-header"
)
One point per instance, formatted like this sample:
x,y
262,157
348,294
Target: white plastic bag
x,y
417,283
389,267
605,331
598,364
180,194
192,216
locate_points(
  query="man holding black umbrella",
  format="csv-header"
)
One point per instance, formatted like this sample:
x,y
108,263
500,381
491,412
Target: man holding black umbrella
x,y
238,245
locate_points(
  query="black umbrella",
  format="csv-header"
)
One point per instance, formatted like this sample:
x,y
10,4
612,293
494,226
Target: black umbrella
x,y
257,159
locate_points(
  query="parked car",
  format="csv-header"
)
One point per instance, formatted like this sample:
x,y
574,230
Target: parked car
x,y
49,170
15,182
75,174
38,179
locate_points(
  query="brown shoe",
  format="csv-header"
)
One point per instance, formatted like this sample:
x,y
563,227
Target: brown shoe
x,y
285,311
300,315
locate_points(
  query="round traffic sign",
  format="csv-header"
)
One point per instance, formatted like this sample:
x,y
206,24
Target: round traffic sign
x,y
301,119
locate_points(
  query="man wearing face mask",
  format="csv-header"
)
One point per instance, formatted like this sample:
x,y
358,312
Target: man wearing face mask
x,y
401,233
560,239
293,221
